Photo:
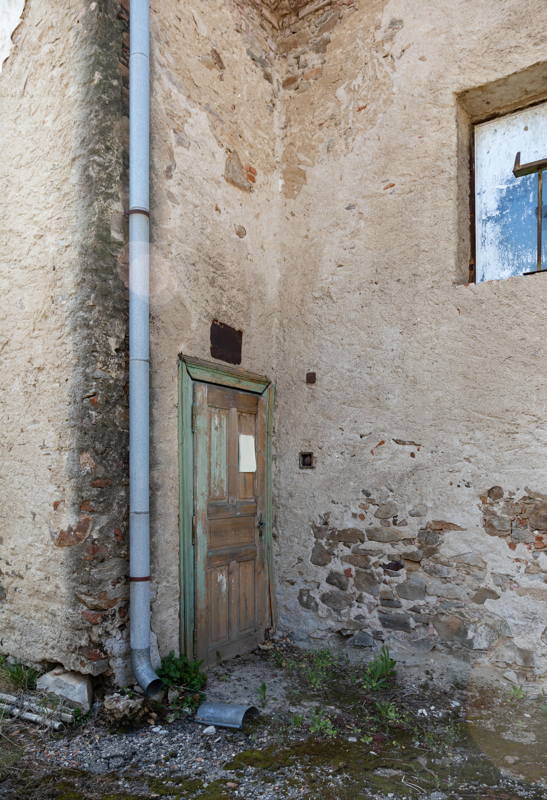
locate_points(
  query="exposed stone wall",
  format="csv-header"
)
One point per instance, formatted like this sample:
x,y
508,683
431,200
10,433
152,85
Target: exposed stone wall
x,y
63,412
421,584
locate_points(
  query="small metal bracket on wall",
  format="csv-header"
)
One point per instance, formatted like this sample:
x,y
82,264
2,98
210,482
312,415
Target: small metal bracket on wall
x,y
519,170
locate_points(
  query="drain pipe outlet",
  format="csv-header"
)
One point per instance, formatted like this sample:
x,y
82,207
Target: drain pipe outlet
x,y
139,352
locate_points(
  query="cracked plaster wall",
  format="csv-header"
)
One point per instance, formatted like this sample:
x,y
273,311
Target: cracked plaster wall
x,y
353,263
215,233
63,338
429,391
309,187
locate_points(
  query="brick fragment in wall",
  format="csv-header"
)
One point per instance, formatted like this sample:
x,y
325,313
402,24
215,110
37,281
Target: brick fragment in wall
x,y
73,535
235,173
100,602
93,617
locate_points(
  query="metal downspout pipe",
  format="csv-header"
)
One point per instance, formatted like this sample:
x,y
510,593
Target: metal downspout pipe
x,y
139,350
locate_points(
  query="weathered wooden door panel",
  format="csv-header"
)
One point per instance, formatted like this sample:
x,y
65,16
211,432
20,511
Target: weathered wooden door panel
x,y
229,502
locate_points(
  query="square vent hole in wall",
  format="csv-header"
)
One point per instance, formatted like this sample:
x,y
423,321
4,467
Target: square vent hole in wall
x,y
502,128
226,342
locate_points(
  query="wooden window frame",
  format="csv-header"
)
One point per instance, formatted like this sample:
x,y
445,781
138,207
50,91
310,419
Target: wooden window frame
x,y
472,123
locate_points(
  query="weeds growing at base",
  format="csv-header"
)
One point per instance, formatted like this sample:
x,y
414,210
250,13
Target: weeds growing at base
x,y
187,678
380,671
18,676
337,698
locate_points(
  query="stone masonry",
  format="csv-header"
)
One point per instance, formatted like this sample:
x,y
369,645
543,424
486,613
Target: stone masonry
x,y
63,549
429,584
311,174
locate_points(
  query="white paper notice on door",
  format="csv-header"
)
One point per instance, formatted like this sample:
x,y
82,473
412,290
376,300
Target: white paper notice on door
x,y
247,455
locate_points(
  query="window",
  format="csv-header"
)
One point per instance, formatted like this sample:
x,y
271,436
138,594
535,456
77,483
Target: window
x,y
510,158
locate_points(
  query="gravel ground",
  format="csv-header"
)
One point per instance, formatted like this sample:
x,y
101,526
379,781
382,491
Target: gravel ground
x,y
320,735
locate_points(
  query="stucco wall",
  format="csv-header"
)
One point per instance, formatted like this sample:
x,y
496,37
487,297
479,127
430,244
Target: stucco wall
x,y
310,171
214,230
429,391
62,408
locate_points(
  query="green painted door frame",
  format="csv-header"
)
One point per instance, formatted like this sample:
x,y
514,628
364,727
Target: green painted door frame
x,y
191,370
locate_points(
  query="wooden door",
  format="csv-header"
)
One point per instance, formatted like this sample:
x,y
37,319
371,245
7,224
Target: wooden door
x,y
231,582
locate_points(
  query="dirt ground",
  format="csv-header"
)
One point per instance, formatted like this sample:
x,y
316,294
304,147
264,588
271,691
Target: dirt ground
x,y
324,732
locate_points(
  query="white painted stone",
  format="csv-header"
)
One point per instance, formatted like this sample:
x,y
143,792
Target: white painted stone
x,y
209,730
70,685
